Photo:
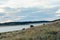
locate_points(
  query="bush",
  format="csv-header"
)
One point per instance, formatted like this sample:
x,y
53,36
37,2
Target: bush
x,y
31,26
23,29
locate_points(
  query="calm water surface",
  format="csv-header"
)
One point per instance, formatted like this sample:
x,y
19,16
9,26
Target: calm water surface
x,y
19,27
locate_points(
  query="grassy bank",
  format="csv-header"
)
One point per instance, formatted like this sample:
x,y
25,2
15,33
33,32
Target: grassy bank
x,y
43,32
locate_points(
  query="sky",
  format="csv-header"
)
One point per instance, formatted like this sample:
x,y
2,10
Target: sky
x,y
29,10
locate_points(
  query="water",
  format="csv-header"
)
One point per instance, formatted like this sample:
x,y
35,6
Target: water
x,y
19,27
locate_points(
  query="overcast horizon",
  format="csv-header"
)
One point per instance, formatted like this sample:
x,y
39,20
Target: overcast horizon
x,y
29,10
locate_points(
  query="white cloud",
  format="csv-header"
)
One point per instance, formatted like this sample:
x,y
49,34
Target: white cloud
x,y
19,18
8,20
1,9
3,2
58,12
30,3
50,19
57,15
16,4
11,19
1,17
3,21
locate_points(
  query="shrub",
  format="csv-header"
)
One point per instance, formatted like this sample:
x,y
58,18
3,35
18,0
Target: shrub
x,y
23,29
31,26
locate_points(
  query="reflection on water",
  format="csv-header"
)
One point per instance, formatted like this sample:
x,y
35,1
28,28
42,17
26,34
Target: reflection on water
x,y
13,28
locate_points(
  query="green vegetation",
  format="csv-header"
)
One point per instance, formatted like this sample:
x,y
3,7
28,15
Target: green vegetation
x,y
49,31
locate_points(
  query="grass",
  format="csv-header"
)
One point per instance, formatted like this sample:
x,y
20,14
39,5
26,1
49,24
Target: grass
x,y
49,31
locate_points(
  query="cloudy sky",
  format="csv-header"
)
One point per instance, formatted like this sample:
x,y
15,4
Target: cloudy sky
x,y
29,10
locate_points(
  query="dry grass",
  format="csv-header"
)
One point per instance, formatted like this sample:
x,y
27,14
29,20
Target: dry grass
x,y
49,31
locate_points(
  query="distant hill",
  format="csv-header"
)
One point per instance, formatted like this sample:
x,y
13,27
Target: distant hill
x,y
50,31
56,20
22,23
26,22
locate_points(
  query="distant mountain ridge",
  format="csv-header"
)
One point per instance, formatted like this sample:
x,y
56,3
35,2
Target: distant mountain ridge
x,y
24,23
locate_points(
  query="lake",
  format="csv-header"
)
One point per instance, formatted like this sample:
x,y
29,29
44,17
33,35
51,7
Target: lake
x,y
17,27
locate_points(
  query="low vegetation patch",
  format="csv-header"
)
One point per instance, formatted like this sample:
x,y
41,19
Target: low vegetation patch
x,y
49,31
